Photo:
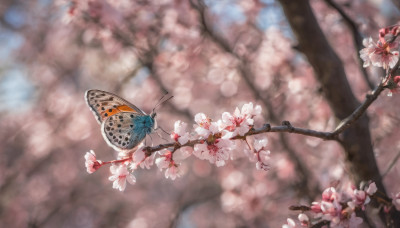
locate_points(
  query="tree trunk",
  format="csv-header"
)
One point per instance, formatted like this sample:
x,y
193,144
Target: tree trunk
x,y
329,70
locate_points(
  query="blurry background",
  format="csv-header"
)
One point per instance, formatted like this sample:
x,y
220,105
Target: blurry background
x,y
212,56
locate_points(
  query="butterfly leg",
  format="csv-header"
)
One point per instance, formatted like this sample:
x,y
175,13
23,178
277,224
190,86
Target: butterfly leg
x,y
163,130
159,135
150,139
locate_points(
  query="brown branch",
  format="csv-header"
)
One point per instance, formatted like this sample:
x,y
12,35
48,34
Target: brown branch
x,y
353,117
286,127
394,161
329,71
357,38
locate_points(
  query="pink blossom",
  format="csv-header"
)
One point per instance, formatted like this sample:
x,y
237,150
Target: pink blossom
x,y
173,171
260,144
331,211
237,123
250,110
91,163
180,133
316,207
394,85
140,159
183,153
380,54
262,154
290,224
148,162
330,195
139,155
217,152
204,125
396,201
240,122
165,161
371,189
262,166
303,218
387,34
359,199
119,176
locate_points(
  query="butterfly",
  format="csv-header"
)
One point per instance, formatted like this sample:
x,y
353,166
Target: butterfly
x,y
123,125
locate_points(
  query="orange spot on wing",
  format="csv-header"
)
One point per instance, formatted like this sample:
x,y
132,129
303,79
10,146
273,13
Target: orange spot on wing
x,y
113,111
125,108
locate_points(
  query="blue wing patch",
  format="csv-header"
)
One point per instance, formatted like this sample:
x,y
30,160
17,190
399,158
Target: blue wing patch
x,y
125,130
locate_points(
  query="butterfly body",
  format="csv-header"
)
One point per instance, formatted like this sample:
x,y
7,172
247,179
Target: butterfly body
x,y
123,125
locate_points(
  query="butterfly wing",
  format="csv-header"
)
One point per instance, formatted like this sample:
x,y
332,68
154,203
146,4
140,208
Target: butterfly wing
x,y
104,104
125,130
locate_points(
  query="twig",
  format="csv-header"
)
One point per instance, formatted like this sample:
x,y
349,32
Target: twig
x,y
285,127
394,161
348,121
357,38
370,98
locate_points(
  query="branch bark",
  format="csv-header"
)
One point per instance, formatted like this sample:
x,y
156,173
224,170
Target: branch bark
x,y
329,70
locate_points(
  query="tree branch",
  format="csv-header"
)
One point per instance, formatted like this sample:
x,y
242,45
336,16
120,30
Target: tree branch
x,y
357,38
246,74
329,71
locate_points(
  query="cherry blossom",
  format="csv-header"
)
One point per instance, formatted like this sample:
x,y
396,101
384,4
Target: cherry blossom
x,y
165,161
236,124
371,189
262,155
290,224
180,133
303,218
361,197
330,195
120,175
389,33
338,208
396,201
250,110
394,85
148,161
183,153
240,122
139,158
380,54
173,171
204,125
91,163
216,152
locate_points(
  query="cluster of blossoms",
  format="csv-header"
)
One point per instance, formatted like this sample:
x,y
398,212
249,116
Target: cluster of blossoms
x,y
336,208
211,141
383,53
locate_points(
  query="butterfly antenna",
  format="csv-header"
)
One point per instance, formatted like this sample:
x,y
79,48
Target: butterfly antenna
x,y
160,102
